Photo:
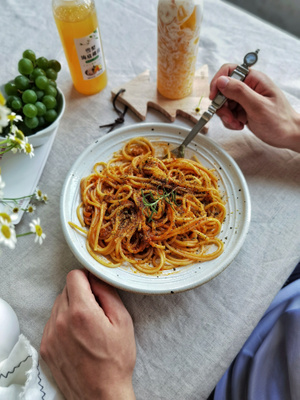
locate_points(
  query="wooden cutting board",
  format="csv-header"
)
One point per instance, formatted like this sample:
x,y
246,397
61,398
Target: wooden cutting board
x,y
140,93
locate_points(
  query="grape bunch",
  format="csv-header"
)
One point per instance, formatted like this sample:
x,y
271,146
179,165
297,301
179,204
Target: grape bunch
x,y
33,94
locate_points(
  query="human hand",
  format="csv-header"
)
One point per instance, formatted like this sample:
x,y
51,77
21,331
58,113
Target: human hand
x,y
88,342
260,104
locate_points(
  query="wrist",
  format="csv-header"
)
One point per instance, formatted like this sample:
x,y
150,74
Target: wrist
x,y
118,390
293,140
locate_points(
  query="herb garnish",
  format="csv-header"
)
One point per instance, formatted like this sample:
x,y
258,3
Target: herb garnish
x,y
151,202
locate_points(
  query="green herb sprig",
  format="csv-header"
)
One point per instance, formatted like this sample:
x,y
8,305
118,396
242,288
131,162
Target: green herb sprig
x,y
151,202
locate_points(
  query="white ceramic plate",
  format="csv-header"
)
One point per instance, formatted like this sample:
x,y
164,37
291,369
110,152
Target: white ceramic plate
x,y
231,183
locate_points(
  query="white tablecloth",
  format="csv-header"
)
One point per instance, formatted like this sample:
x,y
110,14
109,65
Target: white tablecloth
x,y
184,341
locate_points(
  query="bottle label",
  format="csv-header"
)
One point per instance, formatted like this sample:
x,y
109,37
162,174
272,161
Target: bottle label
x,y
90,55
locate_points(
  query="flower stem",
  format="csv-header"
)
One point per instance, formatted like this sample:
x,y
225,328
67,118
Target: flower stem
x,y
24,234
8,149
4,141
16,198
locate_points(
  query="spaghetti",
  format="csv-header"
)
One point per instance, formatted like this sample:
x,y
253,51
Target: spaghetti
x,y
154,214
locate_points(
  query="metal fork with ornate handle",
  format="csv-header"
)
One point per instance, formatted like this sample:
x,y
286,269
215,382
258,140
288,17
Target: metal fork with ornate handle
x,y
239,73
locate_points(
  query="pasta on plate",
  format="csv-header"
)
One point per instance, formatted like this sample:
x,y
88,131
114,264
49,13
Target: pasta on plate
x,y
155,214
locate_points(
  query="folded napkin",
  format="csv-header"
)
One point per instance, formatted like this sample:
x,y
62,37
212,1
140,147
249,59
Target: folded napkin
x,y
23,377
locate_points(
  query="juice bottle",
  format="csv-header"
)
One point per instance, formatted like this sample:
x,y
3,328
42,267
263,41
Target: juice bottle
x,y
77,25
178,32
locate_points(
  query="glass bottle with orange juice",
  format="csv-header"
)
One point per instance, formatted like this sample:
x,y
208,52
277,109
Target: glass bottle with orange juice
x,y
178,32
78,28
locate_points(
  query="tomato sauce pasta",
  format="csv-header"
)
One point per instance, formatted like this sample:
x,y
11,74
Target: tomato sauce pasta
x,y
155,214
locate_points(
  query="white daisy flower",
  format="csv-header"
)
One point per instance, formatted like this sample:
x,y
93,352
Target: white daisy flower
x,y
15,210
17,134
4,112
45,198
14,150
16,139
7,231
7,214
31,208
36,228
28,149
13,130
38,194
14,117
2,99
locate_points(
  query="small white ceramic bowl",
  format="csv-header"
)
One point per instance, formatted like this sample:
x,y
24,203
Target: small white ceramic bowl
x,y
41,137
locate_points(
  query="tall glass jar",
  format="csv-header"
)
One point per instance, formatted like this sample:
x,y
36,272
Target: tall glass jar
x,y
78,28
178,33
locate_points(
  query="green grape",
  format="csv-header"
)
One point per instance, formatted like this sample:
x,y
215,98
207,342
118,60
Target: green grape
x,y
40,93
33,93
25,66
50,115
30,111
30,55
16,104
10,99
42,62
41,108
37,72
49,101
51,74
31,122
52,82
42,122
11,88
29,96
55,65
51,90
22,82
41,82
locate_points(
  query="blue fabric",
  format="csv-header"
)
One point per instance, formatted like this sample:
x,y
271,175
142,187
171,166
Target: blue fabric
x,y
268,366
294,275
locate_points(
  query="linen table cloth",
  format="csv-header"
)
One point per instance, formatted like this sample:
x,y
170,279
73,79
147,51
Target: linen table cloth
x,y
184,341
